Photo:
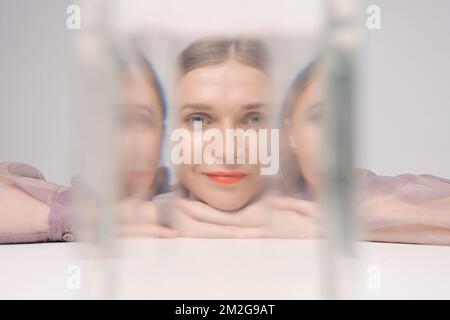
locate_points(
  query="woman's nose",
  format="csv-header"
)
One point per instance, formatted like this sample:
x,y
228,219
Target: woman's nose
x,y
233,149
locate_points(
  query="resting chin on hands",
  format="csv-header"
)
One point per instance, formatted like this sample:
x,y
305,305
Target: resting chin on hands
x,y
268,218
384,218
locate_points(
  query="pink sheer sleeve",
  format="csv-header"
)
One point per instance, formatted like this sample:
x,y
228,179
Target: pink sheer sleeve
x,y
406,208
58,198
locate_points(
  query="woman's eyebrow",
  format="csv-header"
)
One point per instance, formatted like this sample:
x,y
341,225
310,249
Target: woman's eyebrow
x,y
139,107
196,107
254,106
315,105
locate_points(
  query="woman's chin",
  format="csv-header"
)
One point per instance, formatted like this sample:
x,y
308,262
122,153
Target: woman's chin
x,y
228,203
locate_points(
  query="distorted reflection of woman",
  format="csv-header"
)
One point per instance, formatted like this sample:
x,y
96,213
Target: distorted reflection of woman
x,y
406,208
34,210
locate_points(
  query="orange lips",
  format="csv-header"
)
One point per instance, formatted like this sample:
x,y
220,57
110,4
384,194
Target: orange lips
x,y
227,178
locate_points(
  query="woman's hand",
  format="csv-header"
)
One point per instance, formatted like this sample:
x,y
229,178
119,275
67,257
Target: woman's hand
x,y
271,217
139,218
175,213
294,218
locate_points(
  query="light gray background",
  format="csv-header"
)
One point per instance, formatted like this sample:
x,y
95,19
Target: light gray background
x,y
404,123
35,94
403,118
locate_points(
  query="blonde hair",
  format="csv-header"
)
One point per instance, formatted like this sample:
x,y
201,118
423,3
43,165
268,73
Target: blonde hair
x,y
212,51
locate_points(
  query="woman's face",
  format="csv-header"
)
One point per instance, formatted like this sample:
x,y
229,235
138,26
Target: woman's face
x,y
226,96
305,139
139,135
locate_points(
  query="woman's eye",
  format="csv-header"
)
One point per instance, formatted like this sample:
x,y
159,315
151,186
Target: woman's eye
x,y
316,117
197,120
255,119
316,113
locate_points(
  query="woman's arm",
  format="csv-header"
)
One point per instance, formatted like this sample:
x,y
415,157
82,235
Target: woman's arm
x,y
32,209
406,208
22,217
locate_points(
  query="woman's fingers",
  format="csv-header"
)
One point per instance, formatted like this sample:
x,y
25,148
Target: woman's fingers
x,y
198,229
253,215
204,213
198,220
304,207
290,224
274,217
137,211
139,219
193,229
127,211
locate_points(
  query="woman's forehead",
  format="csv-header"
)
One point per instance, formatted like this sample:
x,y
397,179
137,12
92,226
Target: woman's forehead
x,y
310,95
230,83
139,91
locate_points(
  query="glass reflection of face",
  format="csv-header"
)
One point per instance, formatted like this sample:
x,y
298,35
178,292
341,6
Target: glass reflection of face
x,y
140,134
230,95
305,134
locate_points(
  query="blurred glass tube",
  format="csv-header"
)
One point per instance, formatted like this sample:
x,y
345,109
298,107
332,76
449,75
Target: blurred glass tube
x,y
341,43
97,81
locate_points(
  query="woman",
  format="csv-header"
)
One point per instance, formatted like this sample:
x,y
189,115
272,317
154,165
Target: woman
x,y
34,210
224,84
406,208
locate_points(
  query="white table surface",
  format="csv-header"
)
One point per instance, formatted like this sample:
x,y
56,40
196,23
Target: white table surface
x,y
216,269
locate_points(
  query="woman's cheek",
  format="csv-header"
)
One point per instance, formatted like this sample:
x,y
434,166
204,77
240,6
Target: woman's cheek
x,y
138,158
189,179
309,155
151,145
